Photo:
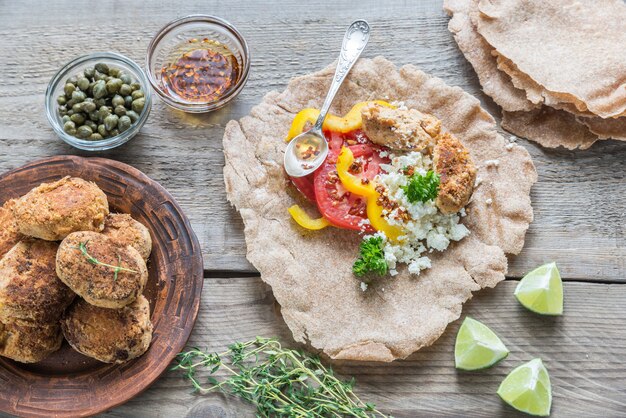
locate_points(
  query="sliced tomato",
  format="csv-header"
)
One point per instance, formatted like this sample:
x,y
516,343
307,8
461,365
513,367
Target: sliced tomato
x,y
305,186
335,203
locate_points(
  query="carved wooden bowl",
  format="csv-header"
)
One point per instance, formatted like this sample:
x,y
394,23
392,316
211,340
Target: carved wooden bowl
x,y
68,383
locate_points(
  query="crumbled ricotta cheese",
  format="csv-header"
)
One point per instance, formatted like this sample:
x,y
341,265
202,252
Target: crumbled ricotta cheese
x,y
363,286
477,182
426,228
399,105
492,163
489,201
509,146
512,138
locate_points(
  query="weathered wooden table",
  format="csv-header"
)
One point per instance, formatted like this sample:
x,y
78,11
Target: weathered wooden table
x,y
579,201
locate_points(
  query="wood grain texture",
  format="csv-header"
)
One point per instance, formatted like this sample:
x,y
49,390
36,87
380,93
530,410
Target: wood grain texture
x,y
584,351
68,383
579,200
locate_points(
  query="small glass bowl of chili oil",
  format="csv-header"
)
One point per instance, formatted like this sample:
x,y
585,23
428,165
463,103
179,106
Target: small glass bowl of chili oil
x,y
198,63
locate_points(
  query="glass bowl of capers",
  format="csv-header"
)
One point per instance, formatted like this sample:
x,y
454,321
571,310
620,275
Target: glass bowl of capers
x,y
98,101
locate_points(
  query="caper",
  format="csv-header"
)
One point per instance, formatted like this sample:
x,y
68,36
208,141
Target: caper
x,y
69,112
113,85
124,123
135,86
119,110
98,76
78,96
62,110
65,119
69,127
72,80
139,104
89,72
128,101
125,90
132,115
91,124
69,89
95,137
83,84
94,116
78,118
70,103
102,130
114,132
99,89
100,102
61,100
126,79
84,132
117,101
114,72
137,94
110,122
102,67
78,107
89,106
103,112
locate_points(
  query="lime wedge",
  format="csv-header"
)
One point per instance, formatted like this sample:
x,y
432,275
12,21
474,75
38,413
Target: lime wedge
x,y
527,388
541,290
477,347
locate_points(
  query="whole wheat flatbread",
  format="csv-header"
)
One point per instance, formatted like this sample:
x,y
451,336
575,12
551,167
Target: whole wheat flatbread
x,y
549,128
310,272
573,49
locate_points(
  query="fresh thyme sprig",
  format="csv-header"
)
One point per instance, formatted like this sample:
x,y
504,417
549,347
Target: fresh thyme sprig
x,y
82,247
281,382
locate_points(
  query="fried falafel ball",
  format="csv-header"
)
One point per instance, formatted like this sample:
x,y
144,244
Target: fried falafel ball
x,y
109,335
29,287
9,231
99,270
125,230
52,211
457,173
28,342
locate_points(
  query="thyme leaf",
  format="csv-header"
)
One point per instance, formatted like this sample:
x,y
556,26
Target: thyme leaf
x,y
82,247
280,382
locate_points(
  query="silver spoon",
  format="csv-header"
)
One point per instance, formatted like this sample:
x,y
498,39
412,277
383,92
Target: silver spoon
x,y
307,151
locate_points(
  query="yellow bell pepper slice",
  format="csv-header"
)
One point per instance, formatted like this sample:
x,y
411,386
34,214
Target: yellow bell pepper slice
x,y
305,221
354,185
350,122
351,182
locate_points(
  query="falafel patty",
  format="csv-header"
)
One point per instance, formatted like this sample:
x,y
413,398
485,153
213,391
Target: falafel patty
x,y
29,287
27,342
109,335
100,271
124,230
9,232
52,211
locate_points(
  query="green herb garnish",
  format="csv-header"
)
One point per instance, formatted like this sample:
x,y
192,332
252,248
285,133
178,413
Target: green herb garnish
x,y
422,188
281,382
82,247
371,258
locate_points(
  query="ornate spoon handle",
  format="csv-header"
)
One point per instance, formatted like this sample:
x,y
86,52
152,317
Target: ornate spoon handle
x,y
354,41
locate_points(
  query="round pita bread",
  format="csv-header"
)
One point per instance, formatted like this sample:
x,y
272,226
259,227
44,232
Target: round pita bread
x,y
311,272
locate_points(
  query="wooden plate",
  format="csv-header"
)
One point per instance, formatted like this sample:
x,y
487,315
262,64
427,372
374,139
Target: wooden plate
x,y
68,383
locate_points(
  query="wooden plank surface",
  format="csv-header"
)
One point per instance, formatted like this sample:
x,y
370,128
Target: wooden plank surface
x,y
584,351
579,200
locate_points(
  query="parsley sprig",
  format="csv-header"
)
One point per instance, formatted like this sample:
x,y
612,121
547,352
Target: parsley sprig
x,y
422,188
82,247
371,258
280,382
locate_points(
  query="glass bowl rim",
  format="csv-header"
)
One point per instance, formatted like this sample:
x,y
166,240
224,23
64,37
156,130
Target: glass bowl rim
x,y
104,144
199,107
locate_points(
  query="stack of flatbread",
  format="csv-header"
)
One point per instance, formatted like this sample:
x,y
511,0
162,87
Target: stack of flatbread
x,y
557,68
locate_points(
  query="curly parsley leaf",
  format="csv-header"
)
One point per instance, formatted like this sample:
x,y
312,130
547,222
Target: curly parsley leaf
x,y
371,259
422,188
